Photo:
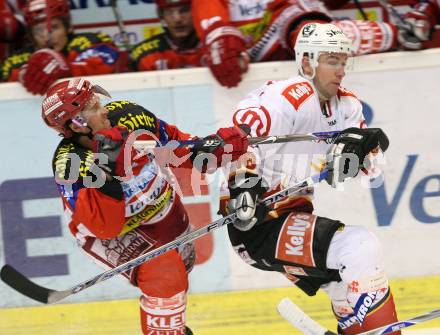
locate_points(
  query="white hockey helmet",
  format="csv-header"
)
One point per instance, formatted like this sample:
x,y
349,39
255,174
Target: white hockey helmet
x,y
315,38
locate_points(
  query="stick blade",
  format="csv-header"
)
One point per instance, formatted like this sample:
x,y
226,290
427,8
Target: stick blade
x,y
300,320
22,284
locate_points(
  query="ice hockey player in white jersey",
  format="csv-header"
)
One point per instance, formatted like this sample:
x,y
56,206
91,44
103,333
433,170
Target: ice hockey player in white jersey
x,y
312,251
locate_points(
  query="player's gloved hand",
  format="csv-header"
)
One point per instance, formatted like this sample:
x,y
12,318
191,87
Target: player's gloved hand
x,y
111,142
231,140
227,58
236,137
44,67
346,155
423,17
246,190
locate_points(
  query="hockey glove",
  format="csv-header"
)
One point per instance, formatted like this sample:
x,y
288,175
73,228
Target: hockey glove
x,y
226,55
423,17
245,191
111,142
44,67
346,155
231,141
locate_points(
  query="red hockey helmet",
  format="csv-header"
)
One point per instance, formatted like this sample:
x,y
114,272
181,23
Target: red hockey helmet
x,y
171,3
37,11
65,100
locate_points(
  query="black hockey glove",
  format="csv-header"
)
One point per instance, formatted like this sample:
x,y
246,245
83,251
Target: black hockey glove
x,y
245,191
346,155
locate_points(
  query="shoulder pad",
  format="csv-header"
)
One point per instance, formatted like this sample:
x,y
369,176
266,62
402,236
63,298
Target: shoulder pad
x,y
81,42
297,93
69,156
148,46
130,115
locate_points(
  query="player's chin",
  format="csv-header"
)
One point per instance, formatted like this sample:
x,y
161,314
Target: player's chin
x,y
333,90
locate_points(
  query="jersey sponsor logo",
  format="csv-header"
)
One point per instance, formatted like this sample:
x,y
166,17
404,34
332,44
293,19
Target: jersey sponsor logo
x,y
151,197
120,250
106,54
294,270
144,48
240,11
69,165
297,93
148,213
206,23
260,49
136,120
139,183
363,306
295,242
258,119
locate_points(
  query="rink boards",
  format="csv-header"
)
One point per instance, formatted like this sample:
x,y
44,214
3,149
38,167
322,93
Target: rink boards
x,y
399,92
249,312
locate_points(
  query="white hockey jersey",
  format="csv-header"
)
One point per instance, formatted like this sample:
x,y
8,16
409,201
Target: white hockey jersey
x,y
292,107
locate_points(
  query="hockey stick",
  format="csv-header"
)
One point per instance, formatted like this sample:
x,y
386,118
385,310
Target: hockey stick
x,y
213,142
297,318
400,21
121,27
23,285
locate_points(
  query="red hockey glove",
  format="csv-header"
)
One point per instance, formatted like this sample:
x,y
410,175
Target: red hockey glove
x,y
111,142
235,136
423,17
226,55
44,67
233,139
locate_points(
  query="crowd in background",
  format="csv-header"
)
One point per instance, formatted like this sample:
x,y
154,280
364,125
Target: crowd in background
x,y
39,46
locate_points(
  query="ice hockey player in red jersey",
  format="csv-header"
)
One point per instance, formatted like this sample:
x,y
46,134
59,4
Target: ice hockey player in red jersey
x,y
177,47
56,51
121,206
243,31
312,251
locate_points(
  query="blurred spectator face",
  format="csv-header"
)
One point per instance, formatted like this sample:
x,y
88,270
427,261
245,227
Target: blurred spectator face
x,y
56,39
178,21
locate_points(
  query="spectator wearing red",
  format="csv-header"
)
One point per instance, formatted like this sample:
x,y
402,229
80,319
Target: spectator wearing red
x,y
12,30
177,47
241,31
56,52
423,17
